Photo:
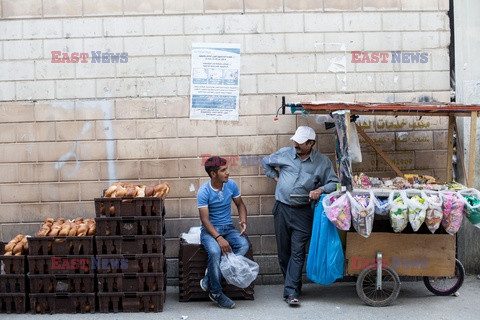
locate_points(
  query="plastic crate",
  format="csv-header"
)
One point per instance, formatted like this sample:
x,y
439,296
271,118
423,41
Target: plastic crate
x,y
13,303
131,302
192,263
125,207
12,264
130,244
135,263
62,283
12,283
60,264
130,226
131,282
62,303
39,246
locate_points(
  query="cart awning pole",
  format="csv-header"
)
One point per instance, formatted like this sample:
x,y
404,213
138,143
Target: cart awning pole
x,y
471,158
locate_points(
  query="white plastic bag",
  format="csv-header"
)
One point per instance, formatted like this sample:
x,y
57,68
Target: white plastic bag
x,y
354,144
363,212
472,205
452,211
337,209
398,210
434,213
238,270
382,207
193,235
417,209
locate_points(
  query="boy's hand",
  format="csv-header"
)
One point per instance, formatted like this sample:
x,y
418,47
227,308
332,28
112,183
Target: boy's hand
x,y
224,245
243,224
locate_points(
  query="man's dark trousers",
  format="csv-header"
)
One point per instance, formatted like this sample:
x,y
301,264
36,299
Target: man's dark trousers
x,y
293,228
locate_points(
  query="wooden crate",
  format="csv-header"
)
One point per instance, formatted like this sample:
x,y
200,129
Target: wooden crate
x,y
408,254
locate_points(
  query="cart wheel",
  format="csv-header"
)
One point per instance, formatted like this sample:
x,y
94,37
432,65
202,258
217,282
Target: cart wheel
x,y
367,286
445,286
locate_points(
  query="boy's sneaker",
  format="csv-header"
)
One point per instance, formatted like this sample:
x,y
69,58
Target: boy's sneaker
x,y
204,282
222,300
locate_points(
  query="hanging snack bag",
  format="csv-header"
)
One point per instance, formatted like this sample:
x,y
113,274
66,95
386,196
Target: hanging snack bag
x,y
337,210
381,205
471,209
452,211
363,211
434,213
398,211
417,208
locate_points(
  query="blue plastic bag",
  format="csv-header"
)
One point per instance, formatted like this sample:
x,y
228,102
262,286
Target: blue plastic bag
x,y
325,256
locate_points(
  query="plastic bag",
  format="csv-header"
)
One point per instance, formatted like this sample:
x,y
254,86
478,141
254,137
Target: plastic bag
x,y
452,211
417,209
337,209
434,213
363,212
325,256
354,144
398,211
193,235
382,207
238,270
471,209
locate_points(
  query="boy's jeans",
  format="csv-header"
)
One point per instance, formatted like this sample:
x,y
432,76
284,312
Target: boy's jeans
x,y
239,245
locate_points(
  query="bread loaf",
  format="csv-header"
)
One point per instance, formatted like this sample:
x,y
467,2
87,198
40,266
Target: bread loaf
x,y
140,191
161,190
92,230
18,249
110,190
149,191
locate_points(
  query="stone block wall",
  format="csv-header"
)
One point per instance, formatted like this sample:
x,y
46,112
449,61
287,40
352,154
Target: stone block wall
x,y
69,129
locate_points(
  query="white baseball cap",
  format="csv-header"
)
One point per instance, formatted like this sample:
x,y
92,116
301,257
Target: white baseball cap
x,y
303,134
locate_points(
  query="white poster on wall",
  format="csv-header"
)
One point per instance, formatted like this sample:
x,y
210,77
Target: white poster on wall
x,y
214,81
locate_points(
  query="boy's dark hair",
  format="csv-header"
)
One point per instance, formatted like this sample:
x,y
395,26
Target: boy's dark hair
x,y
213,164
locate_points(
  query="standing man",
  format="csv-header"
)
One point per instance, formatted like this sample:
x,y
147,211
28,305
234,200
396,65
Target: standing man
x,y
302,170
218,235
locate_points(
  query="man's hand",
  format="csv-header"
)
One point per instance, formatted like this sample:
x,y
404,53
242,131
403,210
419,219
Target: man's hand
x,y
243,224
224,245
276,179
315,194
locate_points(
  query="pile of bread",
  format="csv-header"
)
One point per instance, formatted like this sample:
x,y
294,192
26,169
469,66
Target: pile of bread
x,y
121,189
61,227
17,246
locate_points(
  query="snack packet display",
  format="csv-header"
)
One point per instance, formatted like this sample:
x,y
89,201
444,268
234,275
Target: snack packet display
x,y
363,211
337,210
452,211
416,209
472,205
398,211
434,213
381,205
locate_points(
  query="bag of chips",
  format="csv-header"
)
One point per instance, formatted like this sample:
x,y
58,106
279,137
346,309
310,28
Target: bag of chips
x,y
471,209
398,210
337,209
452,211
416,209
434,213
363,211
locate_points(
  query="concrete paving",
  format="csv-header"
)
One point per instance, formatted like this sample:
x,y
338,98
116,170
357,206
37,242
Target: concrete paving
x,y
338,301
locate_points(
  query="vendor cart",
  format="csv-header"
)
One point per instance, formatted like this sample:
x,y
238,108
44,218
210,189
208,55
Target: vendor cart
x,y
379,260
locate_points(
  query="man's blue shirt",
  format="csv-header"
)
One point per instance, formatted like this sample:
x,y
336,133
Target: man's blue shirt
x,y
218,201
